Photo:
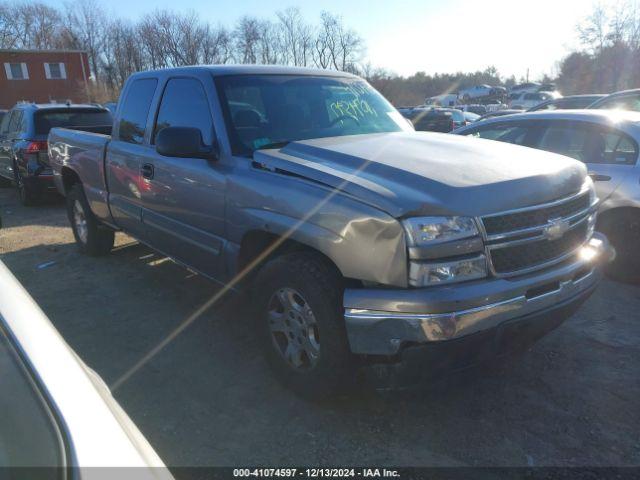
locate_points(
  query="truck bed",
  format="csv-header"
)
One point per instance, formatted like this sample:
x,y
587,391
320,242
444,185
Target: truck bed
x,y
84,153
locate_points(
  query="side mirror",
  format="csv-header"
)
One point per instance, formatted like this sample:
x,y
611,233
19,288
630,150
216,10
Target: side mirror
x,y
183,142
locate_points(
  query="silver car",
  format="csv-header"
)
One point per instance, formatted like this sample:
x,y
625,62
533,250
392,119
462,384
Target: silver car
x,y
607,142
59,419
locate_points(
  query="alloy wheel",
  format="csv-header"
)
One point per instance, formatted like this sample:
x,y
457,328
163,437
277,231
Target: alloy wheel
x,y
80,222
294,329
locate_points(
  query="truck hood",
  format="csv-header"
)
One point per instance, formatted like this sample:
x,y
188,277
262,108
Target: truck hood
x,y
421,173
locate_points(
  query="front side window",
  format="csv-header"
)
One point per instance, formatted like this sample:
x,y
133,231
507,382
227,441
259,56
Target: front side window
x,y
29,433
133,119
590,144
262,110
564,139
184,104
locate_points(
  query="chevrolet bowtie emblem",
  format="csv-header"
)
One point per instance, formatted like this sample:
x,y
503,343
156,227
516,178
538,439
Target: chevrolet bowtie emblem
x,y
555,228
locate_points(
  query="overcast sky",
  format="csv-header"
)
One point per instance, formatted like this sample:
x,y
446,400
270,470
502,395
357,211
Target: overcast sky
x,y
406,36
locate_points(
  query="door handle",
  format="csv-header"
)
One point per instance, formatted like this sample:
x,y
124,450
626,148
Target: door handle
x,y
596,177
147,171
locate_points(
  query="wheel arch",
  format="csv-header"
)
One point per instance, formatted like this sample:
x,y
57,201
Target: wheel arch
x,y
69,178
259,246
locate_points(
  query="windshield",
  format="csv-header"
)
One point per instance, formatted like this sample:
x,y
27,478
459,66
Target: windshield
x,y
264,110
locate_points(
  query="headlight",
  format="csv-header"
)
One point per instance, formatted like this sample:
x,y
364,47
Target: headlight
x,y
423,274
423,231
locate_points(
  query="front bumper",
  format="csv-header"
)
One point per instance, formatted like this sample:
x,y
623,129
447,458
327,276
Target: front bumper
x,y
384,321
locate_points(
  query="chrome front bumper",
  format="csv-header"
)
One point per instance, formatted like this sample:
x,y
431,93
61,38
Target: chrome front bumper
x,y
417,316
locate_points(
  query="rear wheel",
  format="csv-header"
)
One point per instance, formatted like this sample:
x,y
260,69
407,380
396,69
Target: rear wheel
x,y
299,302
91,237
623,231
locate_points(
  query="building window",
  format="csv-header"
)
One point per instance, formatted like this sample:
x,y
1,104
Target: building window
x,y
16,71
55,71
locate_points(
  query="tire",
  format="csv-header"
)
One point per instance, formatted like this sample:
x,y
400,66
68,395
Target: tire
x,y
307,348
623,231
28,191
92,238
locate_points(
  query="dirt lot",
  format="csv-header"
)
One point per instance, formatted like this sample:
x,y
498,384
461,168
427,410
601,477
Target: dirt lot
x,y
209,399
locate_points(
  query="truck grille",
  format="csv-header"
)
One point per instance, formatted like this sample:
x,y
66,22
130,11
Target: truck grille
x,y
532,218
520,257
528,239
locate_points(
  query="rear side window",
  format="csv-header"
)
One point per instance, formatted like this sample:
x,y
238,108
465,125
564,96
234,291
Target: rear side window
x,y
184,104
135,110
4,126
47,119
15,122
590,144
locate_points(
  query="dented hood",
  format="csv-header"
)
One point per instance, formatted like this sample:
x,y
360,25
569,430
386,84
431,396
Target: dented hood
x,y
419,173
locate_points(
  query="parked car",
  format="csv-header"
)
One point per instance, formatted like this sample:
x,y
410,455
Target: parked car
x,y
608,144
480,91
111,106
531,87
572,102
624,100
530,100
59,419
499,113
474,108
470,117
434,119
23,142
356,236
444,100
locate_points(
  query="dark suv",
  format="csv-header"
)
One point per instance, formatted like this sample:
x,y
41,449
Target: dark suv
x,y
23,142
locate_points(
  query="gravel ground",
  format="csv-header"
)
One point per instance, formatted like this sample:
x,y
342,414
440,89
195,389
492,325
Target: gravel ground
x,y
209,399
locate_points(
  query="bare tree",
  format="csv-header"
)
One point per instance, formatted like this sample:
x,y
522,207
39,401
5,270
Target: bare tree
x,y
217,45
9,28
337,46
297,37
247,37
85,29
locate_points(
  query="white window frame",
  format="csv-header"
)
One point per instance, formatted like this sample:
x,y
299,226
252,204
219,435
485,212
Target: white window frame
x,y
47,71
23,66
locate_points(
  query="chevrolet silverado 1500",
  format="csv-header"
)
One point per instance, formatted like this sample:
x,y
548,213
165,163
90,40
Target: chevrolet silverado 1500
x,y
357,236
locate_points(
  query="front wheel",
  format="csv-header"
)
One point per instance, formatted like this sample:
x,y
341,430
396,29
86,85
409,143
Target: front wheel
x,y
91,237
299,302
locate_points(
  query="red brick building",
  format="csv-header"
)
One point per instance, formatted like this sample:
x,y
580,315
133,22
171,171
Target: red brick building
x,y
43,76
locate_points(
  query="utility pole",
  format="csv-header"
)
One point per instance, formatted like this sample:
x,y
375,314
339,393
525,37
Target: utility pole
x,y
527,75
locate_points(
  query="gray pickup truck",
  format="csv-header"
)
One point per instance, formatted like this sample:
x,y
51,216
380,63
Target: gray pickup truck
x,y
357,237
